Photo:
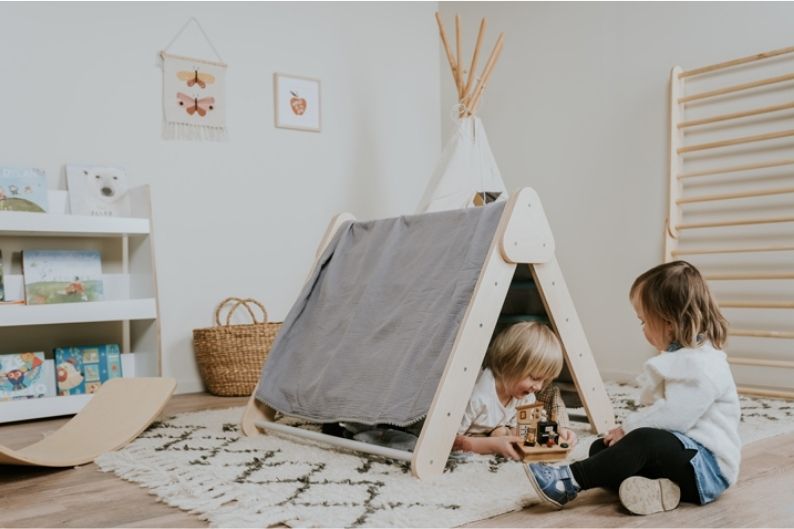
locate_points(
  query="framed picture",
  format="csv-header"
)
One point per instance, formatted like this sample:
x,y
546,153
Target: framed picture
x,y
297,101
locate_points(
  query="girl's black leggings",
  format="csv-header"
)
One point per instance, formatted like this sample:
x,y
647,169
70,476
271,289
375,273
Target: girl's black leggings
x,y
647,452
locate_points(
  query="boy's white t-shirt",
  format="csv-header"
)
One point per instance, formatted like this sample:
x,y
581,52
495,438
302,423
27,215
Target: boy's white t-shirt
x,y
485,412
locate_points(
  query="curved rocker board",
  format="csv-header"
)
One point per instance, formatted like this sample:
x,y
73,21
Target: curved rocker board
x,y
117,414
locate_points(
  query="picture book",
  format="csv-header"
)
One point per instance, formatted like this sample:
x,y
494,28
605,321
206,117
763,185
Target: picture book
x,y
62,276
97,191
23,190
25,376
82,369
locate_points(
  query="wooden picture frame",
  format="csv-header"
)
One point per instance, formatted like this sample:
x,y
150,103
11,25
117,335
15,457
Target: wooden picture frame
x,y
297,102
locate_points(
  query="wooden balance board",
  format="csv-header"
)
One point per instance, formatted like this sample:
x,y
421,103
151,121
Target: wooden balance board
x,y
118,413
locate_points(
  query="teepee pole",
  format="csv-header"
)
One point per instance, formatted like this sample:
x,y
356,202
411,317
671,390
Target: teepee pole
x,y
458,58
478,91
474,58
444,40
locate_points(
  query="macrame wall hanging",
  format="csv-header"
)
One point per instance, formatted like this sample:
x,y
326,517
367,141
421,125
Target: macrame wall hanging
x,y
194,94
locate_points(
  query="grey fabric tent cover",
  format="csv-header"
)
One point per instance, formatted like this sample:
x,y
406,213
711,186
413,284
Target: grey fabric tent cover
x,y
371,331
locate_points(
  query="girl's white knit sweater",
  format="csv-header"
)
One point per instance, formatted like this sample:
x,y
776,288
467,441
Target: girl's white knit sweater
x,y
692,391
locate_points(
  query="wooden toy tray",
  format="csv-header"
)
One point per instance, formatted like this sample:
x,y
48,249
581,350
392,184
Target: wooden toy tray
x,y
544,453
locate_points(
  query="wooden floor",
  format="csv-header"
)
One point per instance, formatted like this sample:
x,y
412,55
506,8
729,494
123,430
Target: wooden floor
x,y
86,497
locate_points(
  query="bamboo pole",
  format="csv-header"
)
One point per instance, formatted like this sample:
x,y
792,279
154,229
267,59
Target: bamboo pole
x,y
735,62
737,141
757,305
737,88
704,251
737,168
743,222
762,334
481,83
475,57
736,115
458,59
730,196
452,64
749,277
758,392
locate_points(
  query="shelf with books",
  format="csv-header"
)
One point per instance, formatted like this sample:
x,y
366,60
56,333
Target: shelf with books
x,y
13,315
113,302
40,408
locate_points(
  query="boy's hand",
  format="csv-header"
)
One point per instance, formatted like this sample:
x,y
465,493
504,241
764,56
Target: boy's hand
x,y
500,431
567,436
613,436
505,446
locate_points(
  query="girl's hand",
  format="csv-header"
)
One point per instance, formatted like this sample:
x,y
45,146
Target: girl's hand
x,y
613,436
567,436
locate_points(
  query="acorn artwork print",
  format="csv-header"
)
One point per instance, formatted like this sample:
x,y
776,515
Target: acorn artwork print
x,y
297,101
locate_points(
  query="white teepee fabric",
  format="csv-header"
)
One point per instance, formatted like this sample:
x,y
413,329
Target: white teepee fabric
x,y
467,167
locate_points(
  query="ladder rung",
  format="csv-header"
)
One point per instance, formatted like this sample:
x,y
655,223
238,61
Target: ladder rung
x,y
737,88
731,196
743,222
736,168
757,305
736,141
749,277
703,251
761,334
760,362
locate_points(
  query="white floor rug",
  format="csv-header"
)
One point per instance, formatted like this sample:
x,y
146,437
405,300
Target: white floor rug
x,y
198,462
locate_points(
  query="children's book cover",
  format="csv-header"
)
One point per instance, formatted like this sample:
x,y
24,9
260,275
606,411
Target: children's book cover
x,y
82,369
62,276
23,376
23,190
97,191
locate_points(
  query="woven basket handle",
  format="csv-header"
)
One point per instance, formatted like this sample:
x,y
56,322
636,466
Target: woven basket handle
x,y
238,302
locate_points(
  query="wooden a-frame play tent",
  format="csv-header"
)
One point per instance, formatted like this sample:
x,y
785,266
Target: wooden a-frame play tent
x,y
520,279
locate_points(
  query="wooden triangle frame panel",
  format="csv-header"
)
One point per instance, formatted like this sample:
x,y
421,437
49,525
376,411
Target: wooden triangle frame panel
x,y
523,237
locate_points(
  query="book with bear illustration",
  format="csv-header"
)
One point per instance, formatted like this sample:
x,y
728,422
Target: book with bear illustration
x,y
26,376
97,191
82,369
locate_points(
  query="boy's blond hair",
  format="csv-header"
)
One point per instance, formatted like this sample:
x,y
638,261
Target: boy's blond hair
x,y
526,349
677,294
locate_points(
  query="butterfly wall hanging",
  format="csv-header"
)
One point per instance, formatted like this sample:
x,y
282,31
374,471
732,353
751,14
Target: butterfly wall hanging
x,y
194,95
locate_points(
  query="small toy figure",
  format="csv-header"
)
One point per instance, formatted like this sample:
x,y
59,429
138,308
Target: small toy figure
x,y
546,430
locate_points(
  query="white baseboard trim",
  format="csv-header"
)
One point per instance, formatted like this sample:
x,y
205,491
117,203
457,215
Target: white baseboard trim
x,y
617,375
189,385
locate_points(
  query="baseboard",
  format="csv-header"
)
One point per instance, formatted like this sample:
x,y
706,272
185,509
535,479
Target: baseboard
x,y
620,376
189,385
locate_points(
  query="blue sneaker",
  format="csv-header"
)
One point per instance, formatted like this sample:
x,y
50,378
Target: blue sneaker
x,y
554,485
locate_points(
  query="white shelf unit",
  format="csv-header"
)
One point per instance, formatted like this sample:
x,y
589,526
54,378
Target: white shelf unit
x,y
128,315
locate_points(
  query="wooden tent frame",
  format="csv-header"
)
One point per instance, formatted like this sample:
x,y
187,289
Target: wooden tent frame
x,y
523,236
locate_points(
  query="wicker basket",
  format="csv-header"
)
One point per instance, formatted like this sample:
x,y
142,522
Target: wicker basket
x,y
230,357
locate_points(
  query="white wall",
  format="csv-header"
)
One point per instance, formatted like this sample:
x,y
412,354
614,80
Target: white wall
x,y
577,108
81,83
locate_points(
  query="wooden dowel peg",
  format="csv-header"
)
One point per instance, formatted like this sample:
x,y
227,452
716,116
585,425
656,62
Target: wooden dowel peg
x,y
756,304
759,392
737,141
735,62
749,277
704,251
731,196
742,222
737,168
736,115
458,59
737,88
452,64
481,84
475,57
762,334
